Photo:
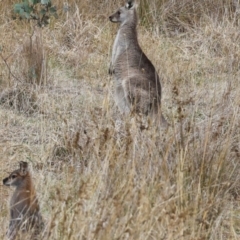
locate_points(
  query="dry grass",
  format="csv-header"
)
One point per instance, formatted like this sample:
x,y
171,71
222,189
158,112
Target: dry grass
x,y
102,176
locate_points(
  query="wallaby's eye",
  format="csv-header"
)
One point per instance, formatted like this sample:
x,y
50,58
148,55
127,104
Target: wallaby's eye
x,y
118,12
14,176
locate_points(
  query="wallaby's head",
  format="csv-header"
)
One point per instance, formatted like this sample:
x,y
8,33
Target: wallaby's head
x,y
125,14
16,177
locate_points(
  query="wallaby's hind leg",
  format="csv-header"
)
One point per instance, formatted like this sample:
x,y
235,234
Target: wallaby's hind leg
x,y
145,101
121,99
141,98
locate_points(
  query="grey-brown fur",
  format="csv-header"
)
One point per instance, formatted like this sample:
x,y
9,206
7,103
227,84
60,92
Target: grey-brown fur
x,y
24,208
137,84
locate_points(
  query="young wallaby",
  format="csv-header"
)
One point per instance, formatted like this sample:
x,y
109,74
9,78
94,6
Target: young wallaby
x,y
24,208
137,84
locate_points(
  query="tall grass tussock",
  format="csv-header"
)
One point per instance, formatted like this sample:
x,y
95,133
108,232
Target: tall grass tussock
x,y
103,175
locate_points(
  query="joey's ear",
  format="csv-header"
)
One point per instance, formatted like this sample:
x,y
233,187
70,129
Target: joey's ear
x,y
23,167
130,4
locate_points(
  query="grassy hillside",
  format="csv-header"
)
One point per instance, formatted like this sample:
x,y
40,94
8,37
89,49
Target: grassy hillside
x,y
100,175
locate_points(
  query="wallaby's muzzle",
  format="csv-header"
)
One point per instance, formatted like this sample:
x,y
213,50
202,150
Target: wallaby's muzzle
x,y
111,18
5,181
115,17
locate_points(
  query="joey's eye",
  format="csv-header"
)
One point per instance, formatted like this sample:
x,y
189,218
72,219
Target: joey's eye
x,y
118,12
14,176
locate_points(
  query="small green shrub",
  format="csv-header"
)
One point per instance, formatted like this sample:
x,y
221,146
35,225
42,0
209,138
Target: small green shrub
x,y
39,10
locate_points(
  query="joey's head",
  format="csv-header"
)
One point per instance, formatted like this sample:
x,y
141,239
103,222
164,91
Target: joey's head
x,y
17,177
125,14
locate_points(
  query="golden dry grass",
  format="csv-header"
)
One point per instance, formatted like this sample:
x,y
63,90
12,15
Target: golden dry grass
x,y
99,175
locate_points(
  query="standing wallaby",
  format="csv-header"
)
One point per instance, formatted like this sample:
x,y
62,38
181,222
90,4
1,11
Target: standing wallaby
x,y
137,85
24,208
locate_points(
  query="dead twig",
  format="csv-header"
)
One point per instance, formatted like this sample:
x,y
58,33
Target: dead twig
x,y
9,69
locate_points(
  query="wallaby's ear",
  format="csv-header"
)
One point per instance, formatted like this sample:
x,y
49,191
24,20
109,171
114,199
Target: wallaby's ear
x,y
23,167
129,4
